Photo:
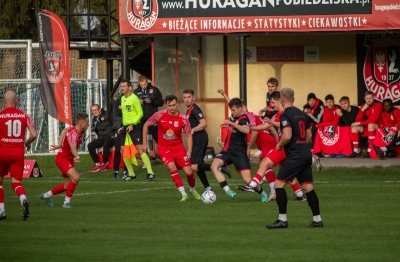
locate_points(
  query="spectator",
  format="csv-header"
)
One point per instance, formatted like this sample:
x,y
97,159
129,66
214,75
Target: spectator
x,y
102,125
268,110
367,123
330,116
314,109
347,112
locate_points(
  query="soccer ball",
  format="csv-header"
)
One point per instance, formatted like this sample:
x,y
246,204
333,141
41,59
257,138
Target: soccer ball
x,y
208,197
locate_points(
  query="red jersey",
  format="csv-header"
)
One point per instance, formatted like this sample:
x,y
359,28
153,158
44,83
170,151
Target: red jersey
x,y
276,118
72,136
371,115
330,117
390,119
263,135
13,124
170,130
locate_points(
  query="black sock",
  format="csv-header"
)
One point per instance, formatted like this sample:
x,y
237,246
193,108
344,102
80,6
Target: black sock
x,y
259,191
281,200
313,202
223,183
204,167
203,178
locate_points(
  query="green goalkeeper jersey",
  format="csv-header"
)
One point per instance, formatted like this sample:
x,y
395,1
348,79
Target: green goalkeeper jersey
x,y
131,110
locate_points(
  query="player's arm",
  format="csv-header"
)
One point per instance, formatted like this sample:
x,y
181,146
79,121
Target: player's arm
x,y
222,92
245,129
374,117
264,126
189,140
202,124
308,135
253,138
61,138
145,132
32,137
274,123
286,136
74,151
273,132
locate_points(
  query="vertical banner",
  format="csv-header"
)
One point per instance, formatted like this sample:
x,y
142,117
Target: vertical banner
x,y
378,66
54,66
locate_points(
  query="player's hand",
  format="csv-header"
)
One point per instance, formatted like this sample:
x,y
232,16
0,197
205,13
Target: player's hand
x,y
355,124
339,112
228,122
278,147
77,159
221,91
188,154
145,147
365,107
306,110
129,129
147,100
248,152
53,147
27,148
141,101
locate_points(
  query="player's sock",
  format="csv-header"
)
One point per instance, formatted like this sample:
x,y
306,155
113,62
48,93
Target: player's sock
x,y
208,188
203,178
55,191
282,217
384,149
19,190
296,189
70,189
281,200
1,196
177,179
256,180
224,186
261,191
191,179
313,202
129,166
371,138
354,140
317,218
67,200
146,160
271,177
204,167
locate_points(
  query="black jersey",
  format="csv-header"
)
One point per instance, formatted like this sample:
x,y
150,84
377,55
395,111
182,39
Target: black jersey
x,y
236,141
194,114
294,118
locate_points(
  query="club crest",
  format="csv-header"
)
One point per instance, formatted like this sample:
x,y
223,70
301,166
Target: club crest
x,y
142,14
54,70
329,135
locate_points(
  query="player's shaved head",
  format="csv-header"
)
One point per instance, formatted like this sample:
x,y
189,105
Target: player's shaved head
x,y
287,94
10,95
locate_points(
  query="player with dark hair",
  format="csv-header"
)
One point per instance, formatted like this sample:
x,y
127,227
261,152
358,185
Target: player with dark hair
x,y
13,125
329,117
366,123
268,110
172,152
200,138
347,113
296,135
70,141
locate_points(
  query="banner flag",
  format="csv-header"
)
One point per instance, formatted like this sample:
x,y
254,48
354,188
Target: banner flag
x,y
54,66
130,150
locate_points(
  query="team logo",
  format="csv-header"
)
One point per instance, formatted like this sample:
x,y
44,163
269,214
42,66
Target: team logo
x,y
169,135
382,67
388,134
200,115
35,172
54,71
176,123
128,108
142,14
329,135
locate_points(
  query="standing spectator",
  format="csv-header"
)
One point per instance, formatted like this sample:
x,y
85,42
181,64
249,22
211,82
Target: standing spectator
x,y
102,125
314,109
367,123
150,99
347,112
13,125
70,141
296,135
268,110
171,124
330,116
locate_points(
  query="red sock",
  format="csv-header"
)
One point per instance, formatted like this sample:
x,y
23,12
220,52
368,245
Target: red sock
x,y
18,188
176,178
354,139
257,178
296,187
1,192
70,189
191,179
58,189
371,138
270,175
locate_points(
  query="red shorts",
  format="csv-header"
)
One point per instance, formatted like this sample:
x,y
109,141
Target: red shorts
x,y
178,157
266,148
13,164
64,164
277,157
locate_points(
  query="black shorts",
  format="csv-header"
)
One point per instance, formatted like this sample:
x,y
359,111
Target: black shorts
x,y
241,162
136,135
299,168
200,143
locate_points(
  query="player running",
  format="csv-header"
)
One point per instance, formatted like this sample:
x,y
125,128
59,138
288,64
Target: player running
x,y
70,141
13,125
172,152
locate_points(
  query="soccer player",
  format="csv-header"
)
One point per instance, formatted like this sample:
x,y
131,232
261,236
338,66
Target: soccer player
x,y
347,112
330,116
314,109
70,141
132,112
296,135
171,122
269,111
366,122
271,157
13,125
200,138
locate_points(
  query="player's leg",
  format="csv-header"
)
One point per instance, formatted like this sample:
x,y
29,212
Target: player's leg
x,y
70,184
3,171
117,155
222,159
355,137
169,162
297,190
108,144
136,136
16,170
382,151
191,181
371,137
92,147
200,143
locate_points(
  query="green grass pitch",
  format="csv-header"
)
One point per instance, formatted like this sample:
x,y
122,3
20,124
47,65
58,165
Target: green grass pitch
x,y
115,220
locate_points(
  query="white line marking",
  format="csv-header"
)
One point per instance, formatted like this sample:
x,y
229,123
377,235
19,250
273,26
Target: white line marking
x,y
122,191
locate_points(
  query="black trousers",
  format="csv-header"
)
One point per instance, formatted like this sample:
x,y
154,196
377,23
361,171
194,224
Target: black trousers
x,y
153,130
106,143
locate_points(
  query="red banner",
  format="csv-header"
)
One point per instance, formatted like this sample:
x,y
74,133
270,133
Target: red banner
x,y
333,140
236,16
31,169
54,66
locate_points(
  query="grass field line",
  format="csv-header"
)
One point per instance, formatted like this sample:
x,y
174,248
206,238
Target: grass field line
x,y
122,191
